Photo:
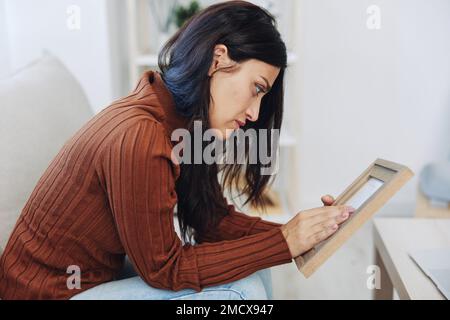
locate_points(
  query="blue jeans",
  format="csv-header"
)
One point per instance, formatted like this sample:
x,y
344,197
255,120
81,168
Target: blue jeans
x,y
257,286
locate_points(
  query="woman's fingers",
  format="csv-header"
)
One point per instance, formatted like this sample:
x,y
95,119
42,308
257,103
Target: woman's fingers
x,y
318,215
335,217
325,225
327,200
318,211
313,226
323,234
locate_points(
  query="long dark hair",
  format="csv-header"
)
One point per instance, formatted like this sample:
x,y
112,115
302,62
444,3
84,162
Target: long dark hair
x,y
249,32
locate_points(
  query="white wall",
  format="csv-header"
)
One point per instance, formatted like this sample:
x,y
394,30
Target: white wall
x,y
364,94
4,44
86,52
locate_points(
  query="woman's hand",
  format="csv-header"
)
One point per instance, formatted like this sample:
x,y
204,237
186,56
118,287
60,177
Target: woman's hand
x,y
310,227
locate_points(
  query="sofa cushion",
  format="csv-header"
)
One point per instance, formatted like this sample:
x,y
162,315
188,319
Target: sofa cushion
x,y
42,105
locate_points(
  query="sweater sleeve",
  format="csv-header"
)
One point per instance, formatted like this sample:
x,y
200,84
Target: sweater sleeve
x,y
139,180
236,225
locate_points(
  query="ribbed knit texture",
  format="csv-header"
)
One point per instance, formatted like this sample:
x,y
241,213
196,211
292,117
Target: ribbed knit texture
x,y
110,192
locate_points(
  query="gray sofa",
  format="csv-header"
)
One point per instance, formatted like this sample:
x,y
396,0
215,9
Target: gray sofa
x,y
42,106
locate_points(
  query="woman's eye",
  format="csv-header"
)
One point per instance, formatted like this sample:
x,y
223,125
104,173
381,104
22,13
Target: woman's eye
x,y
259,89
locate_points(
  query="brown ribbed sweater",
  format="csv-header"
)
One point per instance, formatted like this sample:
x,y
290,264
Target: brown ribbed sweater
x,y
110,192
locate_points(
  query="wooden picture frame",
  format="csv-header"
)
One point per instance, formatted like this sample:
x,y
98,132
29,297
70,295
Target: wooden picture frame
x,y
367,194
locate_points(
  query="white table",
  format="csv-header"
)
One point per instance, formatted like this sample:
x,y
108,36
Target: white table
x,y
394,238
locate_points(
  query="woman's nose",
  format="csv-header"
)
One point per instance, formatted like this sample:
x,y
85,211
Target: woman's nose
x,y
253,113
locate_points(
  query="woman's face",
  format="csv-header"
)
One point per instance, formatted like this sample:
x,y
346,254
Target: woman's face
x,y
236,91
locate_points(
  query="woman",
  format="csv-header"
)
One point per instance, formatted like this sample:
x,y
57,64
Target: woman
x,y
111,190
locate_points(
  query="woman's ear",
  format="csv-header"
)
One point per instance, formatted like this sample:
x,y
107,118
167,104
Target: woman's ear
x,y
220,59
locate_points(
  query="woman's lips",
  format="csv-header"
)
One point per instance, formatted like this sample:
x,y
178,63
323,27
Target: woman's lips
x,y
240,123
